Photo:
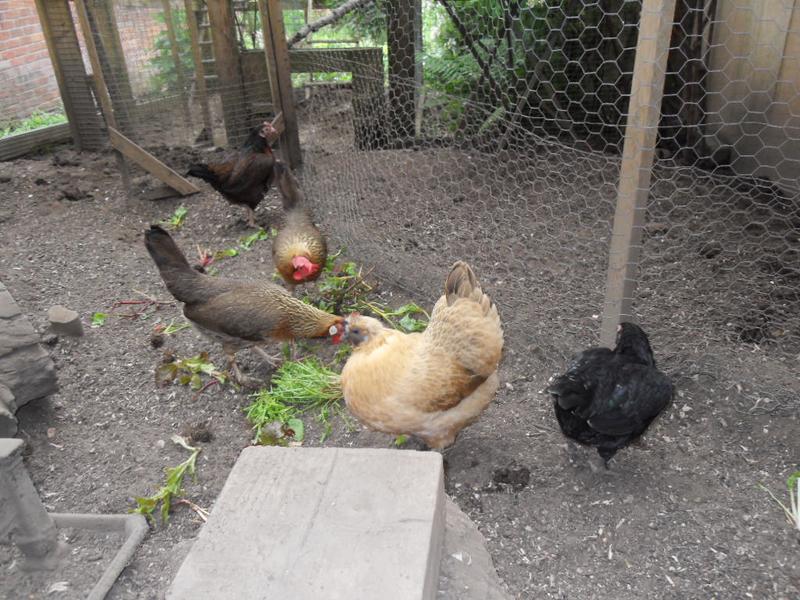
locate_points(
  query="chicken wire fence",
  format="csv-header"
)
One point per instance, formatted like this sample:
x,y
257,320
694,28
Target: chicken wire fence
x,y
493,130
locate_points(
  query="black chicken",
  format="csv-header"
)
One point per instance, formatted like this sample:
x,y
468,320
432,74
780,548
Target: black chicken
x,y
608,398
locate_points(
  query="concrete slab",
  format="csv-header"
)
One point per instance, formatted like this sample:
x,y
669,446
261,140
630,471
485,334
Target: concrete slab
x,y
311,523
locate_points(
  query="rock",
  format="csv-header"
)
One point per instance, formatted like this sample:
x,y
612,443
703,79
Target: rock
x,y
5,178
26,370
8,423
50,339
64,321
466,571
70,191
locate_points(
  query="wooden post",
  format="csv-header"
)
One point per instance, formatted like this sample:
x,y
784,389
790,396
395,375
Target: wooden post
x,y
121,144
100,87
280,78
403,21
226,62
644,111
65,54
112,59
176,60
199,71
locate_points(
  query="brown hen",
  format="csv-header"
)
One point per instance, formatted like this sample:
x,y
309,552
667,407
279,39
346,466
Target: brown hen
x,y
431,384
299,250
245,175
238,314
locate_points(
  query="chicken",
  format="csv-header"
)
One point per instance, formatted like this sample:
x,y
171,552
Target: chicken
x,y
299,250
430,384
245,175
608,398
239,314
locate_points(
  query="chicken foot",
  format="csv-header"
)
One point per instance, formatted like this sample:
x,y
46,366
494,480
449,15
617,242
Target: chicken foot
x,y
236,375
273,360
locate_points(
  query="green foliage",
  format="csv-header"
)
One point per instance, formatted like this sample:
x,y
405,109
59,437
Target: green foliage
x,y
342,289
296,388
792,511
177,219
37,120
246,243
99,319
189,371
165,77
171,328
173,486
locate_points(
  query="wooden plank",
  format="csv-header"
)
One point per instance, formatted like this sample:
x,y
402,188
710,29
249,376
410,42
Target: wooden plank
x,y
228,70
65,55
101,91
199,71
14,146
112,58
280,79
176,60
150,163
644,110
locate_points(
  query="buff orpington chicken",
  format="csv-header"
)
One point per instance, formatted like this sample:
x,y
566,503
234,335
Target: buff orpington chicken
x,y
430,384
239,314
299,250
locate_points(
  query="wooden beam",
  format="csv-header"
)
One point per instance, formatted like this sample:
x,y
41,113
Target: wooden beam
x,y
280,78
65,55
199,71
228,70
101,91
644,110
20,144
176,60
151,164
112,59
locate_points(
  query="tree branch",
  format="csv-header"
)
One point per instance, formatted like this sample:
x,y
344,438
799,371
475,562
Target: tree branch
x,y
336,14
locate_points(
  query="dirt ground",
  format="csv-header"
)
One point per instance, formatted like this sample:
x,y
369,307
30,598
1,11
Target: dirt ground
x,y
679,517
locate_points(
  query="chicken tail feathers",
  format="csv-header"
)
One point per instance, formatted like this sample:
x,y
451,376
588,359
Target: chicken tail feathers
x,y
288,186
171,262
462,283
201,171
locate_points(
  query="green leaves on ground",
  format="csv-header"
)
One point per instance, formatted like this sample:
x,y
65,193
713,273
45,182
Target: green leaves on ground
x,y
296,388
173,485
189,371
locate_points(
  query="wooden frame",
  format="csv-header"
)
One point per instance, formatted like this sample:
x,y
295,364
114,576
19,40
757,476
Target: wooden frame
x,y
280,78
228,69
121,144
199,70
65,55
644,110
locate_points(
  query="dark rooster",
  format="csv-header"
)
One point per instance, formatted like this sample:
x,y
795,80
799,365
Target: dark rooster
x,y
239,314
299,250
245,175
608,398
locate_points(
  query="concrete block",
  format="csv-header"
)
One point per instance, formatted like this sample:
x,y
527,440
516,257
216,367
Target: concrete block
x,y
311,523
64,321
25,519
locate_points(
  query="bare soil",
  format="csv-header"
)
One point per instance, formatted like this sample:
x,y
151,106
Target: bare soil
x,y
679,517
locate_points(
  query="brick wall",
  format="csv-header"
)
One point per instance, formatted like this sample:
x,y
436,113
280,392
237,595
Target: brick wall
x,y
26,75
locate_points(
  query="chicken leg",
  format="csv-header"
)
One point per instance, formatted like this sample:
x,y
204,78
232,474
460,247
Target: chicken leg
x,y
251,217
273,360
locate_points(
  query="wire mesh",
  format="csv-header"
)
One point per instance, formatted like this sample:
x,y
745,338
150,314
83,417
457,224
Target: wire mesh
x,y
492,131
